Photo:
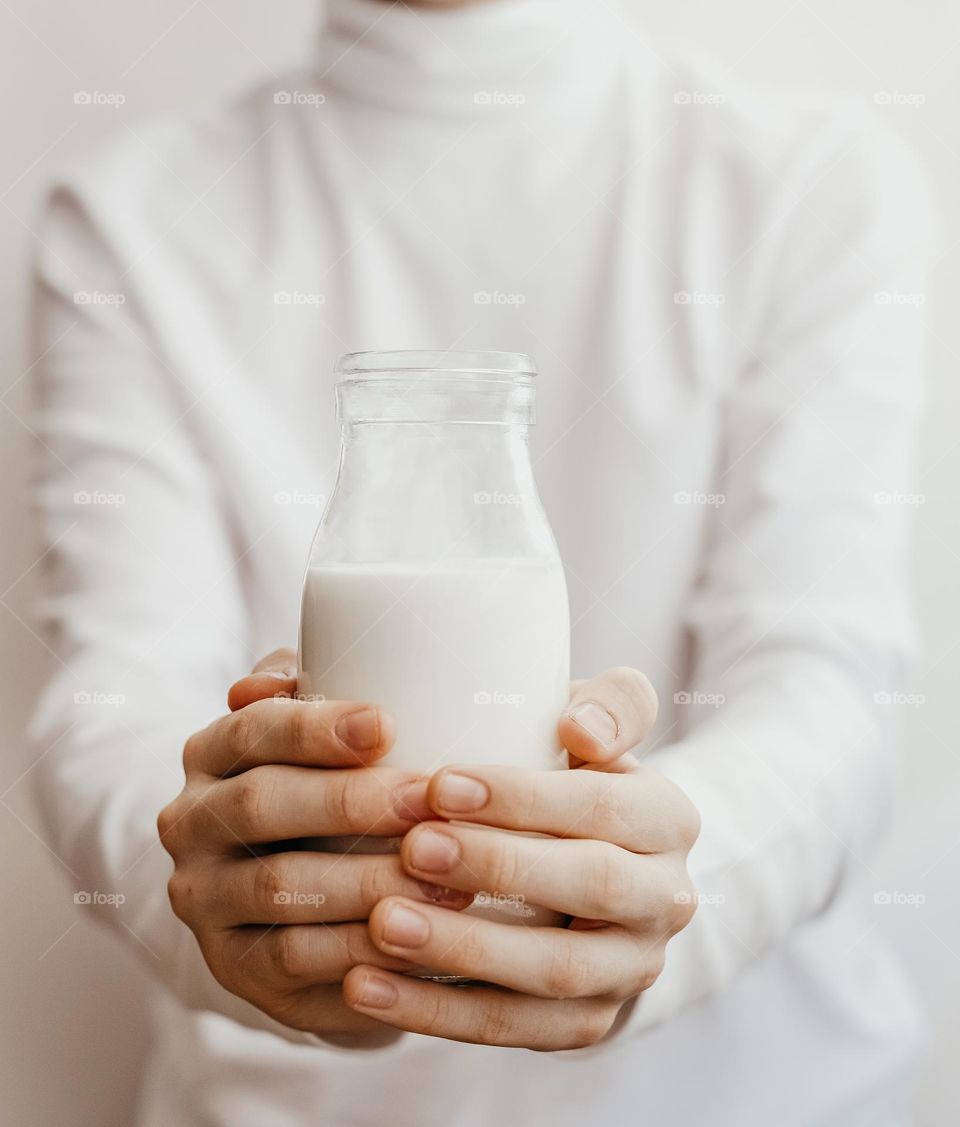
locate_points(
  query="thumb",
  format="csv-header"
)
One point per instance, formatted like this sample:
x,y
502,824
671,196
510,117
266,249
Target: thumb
x,y
274,675
608,715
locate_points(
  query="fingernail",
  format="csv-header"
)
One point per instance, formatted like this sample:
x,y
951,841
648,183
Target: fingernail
x,y
433,852
280,674
377,993
410,801
359,730
404,927
596,721
460,794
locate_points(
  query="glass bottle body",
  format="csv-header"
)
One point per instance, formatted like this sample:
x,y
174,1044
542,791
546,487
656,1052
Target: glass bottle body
x,y
434,588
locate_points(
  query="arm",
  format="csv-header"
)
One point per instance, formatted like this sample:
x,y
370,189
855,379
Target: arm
x,y
799,626
146,622
800,622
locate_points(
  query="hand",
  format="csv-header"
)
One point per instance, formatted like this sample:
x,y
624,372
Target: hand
x,y
615,862
277,926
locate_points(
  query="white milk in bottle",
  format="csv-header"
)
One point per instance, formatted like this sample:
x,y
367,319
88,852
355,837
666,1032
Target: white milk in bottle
x,y
470,656
434,586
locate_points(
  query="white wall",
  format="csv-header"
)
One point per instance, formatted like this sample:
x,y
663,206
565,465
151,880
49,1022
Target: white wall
x,y
71,1042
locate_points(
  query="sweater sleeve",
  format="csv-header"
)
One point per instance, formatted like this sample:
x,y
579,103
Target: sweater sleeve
x,y
143,609
799,622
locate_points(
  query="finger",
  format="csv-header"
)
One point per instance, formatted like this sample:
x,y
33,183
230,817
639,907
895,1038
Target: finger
x,y
280,803
304,733
608,715
592,879
279,959
477,1015
322,1010
548,962
274,675
300,888
640,810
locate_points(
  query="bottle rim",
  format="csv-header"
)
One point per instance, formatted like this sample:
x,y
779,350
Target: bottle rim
x,y
425,362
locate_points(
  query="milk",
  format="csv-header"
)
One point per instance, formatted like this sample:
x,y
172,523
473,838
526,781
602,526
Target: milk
x,y
470,656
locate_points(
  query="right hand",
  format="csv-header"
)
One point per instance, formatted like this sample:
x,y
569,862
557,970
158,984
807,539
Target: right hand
x,y
277,925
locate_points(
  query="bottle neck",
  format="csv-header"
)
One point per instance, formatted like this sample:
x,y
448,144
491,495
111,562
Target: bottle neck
x,y
418,490
406,460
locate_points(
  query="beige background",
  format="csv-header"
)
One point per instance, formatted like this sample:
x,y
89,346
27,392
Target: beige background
x,y
72,1038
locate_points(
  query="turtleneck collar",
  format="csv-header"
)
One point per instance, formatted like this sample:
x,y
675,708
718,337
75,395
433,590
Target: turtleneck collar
x,y
485,56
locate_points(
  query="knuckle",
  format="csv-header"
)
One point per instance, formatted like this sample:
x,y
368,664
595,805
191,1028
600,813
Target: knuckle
x,y
167,821
289,1010
378,880
183,895
347,797
270,889
193,751
634,683
498,860
176,825
290,953
670,899
436,1013
301,732
495,1024
358,945
637,689
689,822
612,805
569,975
470,951
611,888
592,1026
251,801
684,907
652,968
220,965
282,658
241,733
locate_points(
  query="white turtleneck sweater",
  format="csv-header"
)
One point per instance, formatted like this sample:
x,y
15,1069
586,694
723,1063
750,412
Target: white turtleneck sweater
x,y
723,397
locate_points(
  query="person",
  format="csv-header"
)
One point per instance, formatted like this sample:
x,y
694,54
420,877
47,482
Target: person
x,y
709,276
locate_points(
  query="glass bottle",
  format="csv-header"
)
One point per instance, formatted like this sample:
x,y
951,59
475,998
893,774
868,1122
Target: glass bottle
x,y
434,587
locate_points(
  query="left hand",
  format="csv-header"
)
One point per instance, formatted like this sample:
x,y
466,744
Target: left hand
x,y
615,862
